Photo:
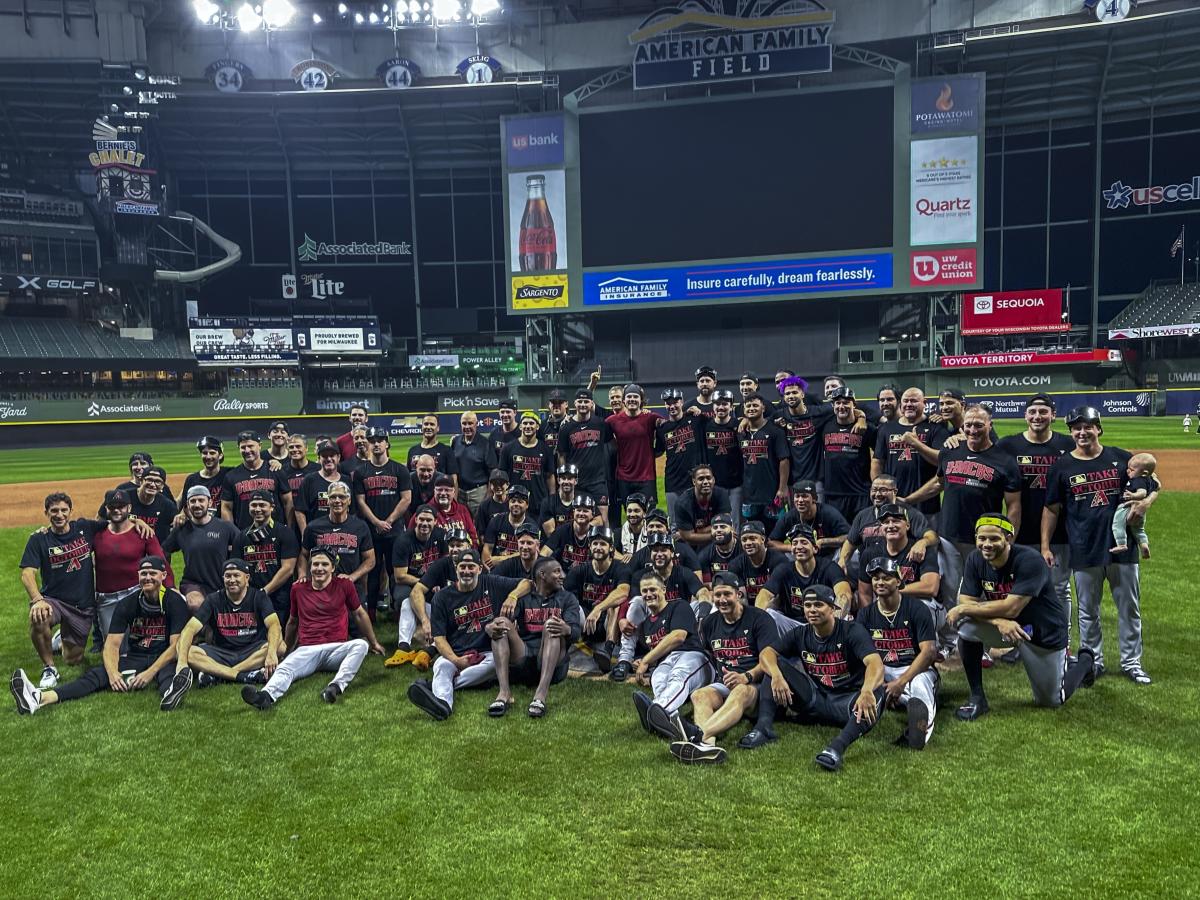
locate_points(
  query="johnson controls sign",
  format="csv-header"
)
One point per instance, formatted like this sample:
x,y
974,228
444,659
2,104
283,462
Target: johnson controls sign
x,y
1013,312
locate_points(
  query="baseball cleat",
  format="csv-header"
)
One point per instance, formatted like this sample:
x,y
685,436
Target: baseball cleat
x,y
260,700
663,724
973,709
829,760
29,698
205,680
1138,675
56,641
692,754
421,695
331,693
620,671
176,690
642,703
1087,658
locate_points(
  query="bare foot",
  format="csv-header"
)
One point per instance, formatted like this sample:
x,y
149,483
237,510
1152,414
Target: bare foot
x,y
1120,548
1145,548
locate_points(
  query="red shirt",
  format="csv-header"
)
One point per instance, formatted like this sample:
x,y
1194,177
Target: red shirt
x,y
457,516
117,556
346,446
324,615
635,445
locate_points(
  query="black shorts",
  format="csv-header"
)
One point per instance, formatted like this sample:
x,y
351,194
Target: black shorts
x,y
229,658
528,670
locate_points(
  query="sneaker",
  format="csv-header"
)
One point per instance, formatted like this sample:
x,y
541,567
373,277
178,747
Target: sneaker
x,y
49,678
422,662
205,680
620,671
254,676
973,709
987,660
260,700
331,693
1138,675
29,698
756,738
829,760
56,641
176,690
1087,658
421,695
642,703
666,725
690,753
602,656
1097,667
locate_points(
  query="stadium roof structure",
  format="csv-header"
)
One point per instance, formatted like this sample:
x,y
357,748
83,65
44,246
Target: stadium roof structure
x,y
54,343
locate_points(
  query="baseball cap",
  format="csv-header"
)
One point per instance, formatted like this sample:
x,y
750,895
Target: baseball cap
x,y
748,376
425,508
1084,414
240,564
638,498
156,470
116,498
327,448
801,530
671,394
633,388
279,423
152,562
443,480
518,490
468,555
570,470
527,528
249,436
722,395
953,393
706,370
457,534
657,515
601,533
583,394
197,490
1043,399
507,404
140,456
208,442
726,579
582,500
327,553
822,592
890,511
805,487
262,495
660,540
556,396
883,564
722,519
754,527
842,392
498,476
376,431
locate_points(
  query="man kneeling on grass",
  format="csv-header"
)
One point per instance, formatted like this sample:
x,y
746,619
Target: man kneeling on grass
x,y
246,638
734,637
459,616
150,619
533,642
317,633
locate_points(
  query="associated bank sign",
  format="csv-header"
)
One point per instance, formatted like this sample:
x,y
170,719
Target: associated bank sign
x,y
312,251
698,42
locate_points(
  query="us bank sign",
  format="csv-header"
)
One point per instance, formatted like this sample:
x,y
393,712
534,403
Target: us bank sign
x,y
711,40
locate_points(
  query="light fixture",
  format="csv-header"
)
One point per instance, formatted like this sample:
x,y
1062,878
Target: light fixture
x,y
316,19
248,18
373,18
445,10
277,13
205,9
481,8
341,9
358,18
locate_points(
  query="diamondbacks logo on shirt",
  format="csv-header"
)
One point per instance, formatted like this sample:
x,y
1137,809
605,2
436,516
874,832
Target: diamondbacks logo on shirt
x,y
755,449
341,541
893,644
800,431
899,450
248,486
1099,488
585,438
843,441
472,616
535,617
829,668
381,485
237,624
679,439
1034,469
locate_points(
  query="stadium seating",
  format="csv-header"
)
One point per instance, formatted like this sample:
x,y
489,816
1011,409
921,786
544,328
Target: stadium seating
x,y
60,339
1174,304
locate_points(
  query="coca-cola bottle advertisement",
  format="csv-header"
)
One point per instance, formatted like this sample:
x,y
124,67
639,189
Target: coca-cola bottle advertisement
x,y
537,214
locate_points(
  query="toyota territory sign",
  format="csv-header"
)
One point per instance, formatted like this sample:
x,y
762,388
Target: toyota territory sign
x,y
1013,312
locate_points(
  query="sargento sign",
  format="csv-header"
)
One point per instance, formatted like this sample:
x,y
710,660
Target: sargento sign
x,y
677,46
1013,312
1027,358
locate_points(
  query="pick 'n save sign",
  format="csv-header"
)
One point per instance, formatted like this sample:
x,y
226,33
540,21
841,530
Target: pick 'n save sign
x,y
1013,312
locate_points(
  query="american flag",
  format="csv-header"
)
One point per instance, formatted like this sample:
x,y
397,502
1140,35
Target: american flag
x,y
1178,245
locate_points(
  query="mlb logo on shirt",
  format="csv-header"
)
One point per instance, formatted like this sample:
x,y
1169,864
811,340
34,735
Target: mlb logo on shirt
x,y
1078,479
983,305
716,645
461,611
1024,460
56,551
989,585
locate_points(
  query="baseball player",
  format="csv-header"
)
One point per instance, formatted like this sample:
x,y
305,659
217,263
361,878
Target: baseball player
x,y
414,628
788,583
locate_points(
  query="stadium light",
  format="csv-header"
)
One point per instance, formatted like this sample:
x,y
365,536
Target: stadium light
x,y
316,18
358,18
481,8
342,9
248,18
205,10
277,13
373,17
445,10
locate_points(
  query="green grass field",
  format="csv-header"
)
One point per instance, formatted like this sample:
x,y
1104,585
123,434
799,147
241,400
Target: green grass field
x,y
110,797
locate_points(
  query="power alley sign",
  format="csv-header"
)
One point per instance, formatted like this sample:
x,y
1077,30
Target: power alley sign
x,y
713,40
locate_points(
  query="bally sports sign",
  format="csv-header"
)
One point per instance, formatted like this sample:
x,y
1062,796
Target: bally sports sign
x,y
1013,312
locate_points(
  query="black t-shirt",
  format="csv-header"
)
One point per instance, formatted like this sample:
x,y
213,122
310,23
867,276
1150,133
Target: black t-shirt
x,y
1142,483
974,483
381,486
684,556
488,510
682,584
591,587
460,617
846,453
904,463
1089,491
205,549
237,626
583,444
756,577
762,451
722,451
411,553
347,468
712,560
867,531
898,637
499,439
266,549
675,616
789,586
148,625
553,508
349,540
1034,462
803,434
549,431
530,467
131,491
513,567
501,534
241,482
569,548
683,443
734,647
295,476
827,523
1025,574
689,515
65,563
438,574
533,610
443,457
473,461
158,514
910,572
836,663
214,484
314,498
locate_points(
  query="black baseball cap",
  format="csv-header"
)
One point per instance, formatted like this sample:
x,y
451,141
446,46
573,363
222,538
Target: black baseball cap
x,y
706,370
805,487
425,508
953,393
822,592
518,490
722,395
508,404
754,527
726,579
262,495
498,476
633,388
527,528
583,394
157,563
671,394
890,511
208,442
443,480
556,396
570,470
800,530
140,456
116,498
883,564
468,555
240,564
376,431
1084,414
583,500
749,376
638,498
156,470
842,392
249,436
657,515
279,423
601,533
1043,399
722,519
457,534
659,539
327,448
330,555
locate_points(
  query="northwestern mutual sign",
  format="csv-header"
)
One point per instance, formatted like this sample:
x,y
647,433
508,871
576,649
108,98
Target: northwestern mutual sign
x,y
711,40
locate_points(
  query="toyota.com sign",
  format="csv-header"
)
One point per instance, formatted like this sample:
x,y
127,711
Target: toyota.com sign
x,y
1013,312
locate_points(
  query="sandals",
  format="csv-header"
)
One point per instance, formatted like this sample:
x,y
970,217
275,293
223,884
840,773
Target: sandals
x,y
498,708
537,709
